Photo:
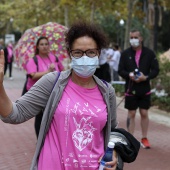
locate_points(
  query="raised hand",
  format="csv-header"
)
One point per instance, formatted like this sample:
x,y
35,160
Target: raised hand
x,y
1,66
51,67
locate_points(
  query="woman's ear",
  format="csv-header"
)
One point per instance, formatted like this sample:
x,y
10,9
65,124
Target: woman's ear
x,y
141,39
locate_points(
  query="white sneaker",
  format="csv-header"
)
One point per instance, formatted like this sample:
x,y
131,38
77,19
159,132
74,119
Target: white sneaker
x,y
11,78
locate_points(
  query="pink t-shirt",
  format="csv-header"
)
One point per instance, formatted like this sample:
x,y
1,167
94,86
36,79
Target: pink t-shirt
x,y
10,52
43,65
75,139
137,57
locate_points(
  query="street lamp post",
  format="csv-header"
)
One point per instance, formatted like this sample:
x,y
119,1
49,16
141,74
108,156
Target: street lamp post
x,y
121,22
11,24
9,28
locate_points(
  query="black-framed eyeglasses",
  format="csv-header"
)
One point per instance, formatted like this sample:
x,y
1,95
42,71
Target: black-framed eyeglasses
x,y
134,37
90,53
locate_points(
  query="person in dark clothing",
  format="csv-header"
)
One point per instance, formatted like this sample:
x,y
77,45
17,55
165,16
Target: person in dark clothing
x,y
137,88
103,71
1,44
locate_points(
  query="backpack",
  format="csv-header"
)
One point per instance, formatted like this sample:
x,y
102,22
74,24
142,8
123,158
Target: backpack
x,y
27,76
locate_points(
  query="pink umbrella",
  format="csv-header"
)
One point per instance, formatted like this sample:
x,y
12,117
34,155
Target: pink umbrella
x,y
25,48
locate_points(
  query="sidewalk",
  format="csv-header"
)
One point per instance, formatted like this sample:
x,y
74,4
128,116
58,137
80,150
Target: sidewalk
x,y
18,141
156,158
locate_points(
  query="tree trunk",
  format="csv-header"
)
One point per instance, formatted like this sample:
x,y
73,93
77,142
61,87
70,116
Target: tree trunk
x,y
66,15
151,38
92,12
128,23
156,25
151,22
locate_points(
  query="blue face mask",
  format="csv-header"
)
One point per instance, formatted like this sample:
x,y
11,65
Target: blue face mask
x,y
85,66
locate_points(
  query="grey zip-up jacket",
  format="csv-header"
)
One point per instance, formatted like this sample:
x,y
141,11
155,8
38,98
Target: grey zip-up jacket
x,y
46,93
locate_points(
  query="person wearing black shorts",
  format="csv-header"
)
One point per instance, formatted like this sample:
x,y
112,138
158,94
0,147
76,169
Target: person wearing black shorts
x,y
138,64
134,102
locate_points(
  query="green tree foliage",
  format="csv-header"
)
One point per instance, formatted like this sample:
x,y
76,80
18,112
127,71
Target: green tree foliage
x,y
27,14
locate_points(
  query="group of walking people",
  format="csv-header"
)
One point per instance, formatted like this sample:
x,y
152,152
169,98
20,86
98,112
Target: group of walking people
x,y
108,63
78,107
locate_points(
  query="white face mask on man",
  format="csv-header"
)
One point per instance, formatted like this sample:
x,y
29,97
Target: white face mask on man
x,y
85,66
134,42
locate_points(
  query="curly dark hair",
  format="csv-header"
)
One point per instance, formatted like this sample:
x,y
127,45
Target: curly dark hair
x,y
37,43
84,28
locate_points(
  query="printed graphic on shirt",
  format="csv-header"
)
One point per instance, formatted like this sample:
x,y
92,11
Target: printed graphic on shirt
x,y
83,123
83,134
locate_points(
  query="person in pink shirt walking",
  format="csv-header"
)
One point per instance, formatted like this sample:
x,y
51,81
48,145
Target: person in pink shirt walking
x,y
43,62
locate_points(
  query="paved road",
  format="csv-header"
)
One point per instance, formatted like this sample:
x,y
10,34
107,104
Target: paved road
x,y
18,141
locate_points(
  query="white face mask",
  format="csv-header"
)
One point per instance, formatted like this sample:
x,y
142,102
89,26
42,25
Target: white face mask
x,y
134,42
85,66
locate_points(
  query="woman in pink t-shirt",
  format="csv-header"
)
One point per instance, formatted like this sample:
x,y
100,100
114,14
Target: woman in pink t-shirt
x,y
8,51
75,138
42,63
46,62
79,117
